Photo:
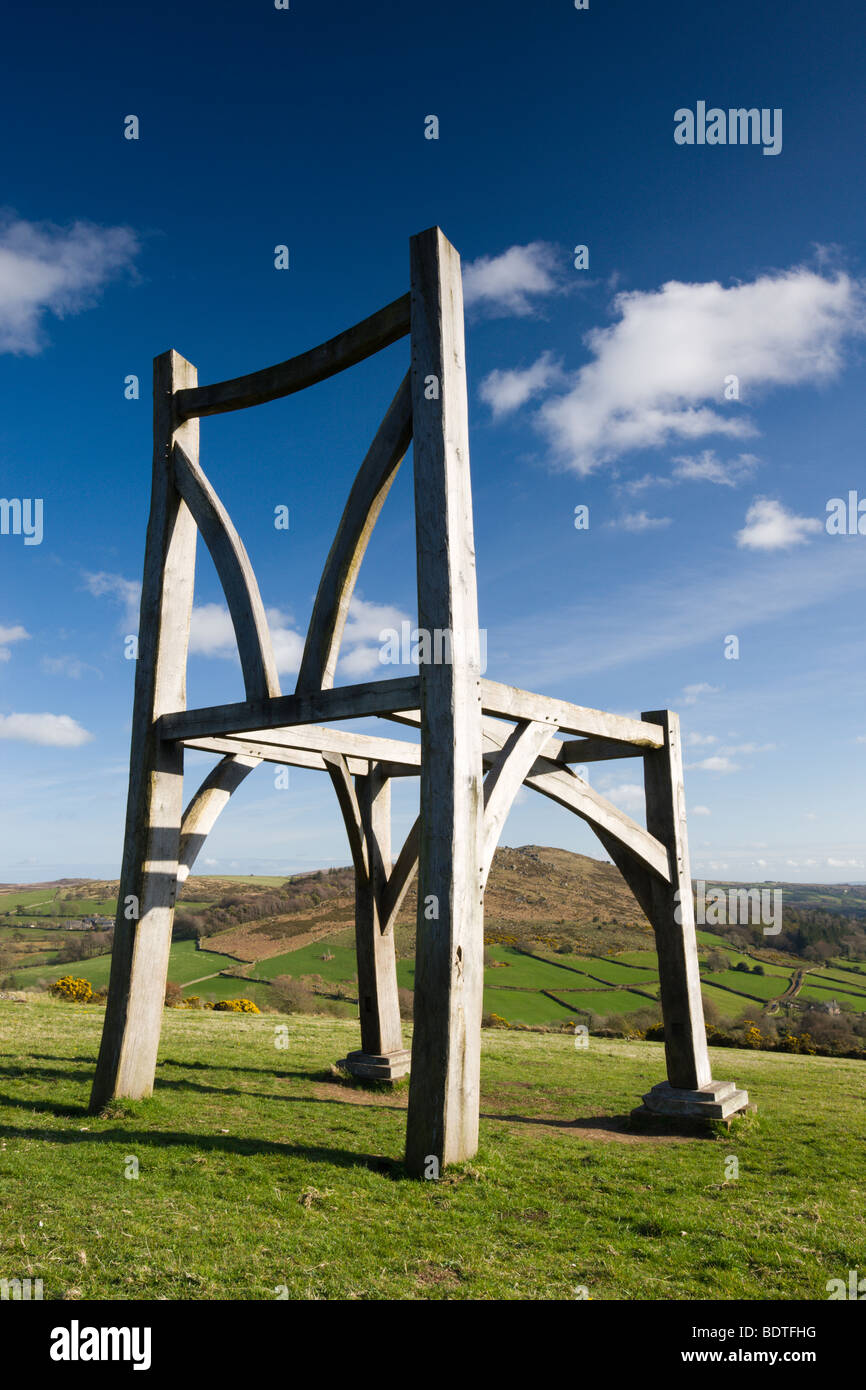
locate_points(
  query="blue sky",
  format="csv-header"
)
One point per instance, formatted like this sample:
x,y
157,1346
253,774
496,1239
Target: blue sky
x,y
602,387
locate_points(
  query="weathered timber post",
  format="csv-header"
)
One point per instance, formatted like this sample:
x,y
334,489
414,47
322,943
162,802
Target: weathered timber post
x,y
148,884
689,1088
449,956
382,1056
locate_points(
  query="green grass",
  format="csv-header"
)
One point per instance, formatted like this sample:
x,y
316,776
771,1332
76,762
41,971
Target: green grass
x,y
185,963
255,1173
757,986
822,995
308,961
519,1006
220,987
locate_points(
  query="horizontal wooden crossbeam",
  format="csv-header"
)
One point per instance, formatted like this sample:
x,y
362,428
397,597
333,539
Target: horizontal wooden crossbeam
x,y
315,707
240,745
511,703
592,750
378,331
328,740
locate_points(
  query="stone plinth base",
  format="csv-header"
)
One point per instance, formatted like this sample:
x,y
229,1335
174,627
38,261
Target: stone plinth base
x,y
718,1100
389,1066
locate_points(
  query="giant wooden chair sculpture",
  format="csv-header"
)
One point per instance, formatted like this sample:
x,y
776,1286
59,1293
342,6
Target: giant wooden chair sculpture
x,y
468,727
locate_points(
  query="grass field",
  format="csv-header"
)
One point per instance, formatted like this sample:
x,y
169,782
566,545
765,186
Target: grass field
x,y
185,963
257,1170
516,982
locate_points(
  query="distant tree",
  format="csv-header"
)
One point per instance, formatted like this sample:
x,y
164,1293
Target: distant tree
x,y
293,996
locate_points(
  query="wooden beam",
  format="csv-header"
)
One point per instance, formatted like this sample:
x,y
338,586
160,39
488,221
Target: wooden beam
x,y
401,877
314,707
343,786
672,914
269,753
591,750
378,331
442,1123
574,719
328,740
236,576
378,1000
361,512
148,881
505,779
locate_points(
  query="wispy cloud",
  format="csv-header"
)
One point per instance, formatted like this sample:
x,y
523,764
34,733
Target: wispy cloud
x,y
8,635
642,619
716,763
770,526
125,592
59,270
638,521
692,693
707,467
71,666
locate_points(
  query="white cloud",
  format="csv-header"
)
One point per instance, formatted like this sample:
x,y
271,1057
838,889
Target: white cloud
x,y
637,485
658,372
8,635
71,666
698,740
51,730
845,863
692,693
212,633
708,467
639,521
58,270
629,796
716,763
735,748
700,811
861,738
505,391
770,526
505,284
362,636
126,592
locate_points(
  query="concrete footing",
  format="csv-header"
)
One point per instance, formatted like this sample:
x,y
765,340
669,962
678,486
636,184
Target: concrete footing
x,y
717,1100
387,1066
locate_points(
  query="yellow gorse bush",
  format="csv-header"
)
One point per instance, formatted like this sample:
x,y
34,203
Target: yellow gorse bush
x,y
236,1006
73,990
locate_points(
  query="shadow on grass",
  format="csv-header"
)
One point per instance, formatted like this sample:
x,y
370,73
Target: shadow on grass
x,y
223,1143
312,1074
620,1126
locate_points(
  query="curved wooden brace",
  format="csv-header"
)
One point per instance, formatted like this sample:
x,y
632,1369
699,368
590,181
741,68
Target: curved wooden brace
x,y
349,347
201,814
360,514
345,789
236,576
505,779
561,784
